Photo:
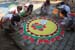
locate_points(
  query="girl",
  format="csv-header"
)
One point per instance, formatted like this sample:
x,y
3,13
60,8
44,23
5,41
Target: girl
x,y
29,9
66,21
45,7
10,21
27,12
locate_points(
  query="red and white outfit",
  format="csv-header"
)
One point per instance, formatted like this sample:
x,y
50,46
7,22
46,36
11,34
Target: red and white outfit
x,y
13,10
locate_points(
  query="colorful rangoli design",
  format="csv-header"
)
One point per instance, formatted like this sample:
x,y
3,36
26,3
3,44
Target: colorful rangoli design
x,y
38,26
34,31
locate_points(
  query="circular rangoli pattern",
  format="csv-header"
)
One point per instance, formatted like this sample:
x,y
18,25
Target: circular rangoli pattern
x,y
37,27
41,30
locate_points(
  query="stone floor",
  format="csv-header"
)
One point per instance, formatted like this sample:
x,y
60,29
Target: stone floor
x,y
6,43
67,43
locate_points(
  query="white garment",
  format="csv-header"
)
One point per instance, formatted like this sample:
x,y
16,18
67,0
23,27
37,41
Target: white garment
x,y
14,9
46,9
8,16
66,7
65,21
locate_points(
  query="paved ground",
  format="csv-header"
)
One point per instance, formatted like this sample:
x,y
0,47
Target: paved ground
x,y
6,43
67,43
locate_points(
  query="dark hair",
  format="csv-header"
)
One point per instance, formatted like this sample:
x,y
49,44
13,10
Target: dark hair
x,y
19,7
30,8
47,2
62,3
64,12
16,18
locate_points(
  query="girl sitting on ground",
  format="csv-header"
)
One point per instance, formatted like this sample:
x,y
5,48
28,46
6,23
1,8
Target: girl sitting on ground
x,y
9,22
9,25
45,8
29,10
10,19
27,13
65,21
